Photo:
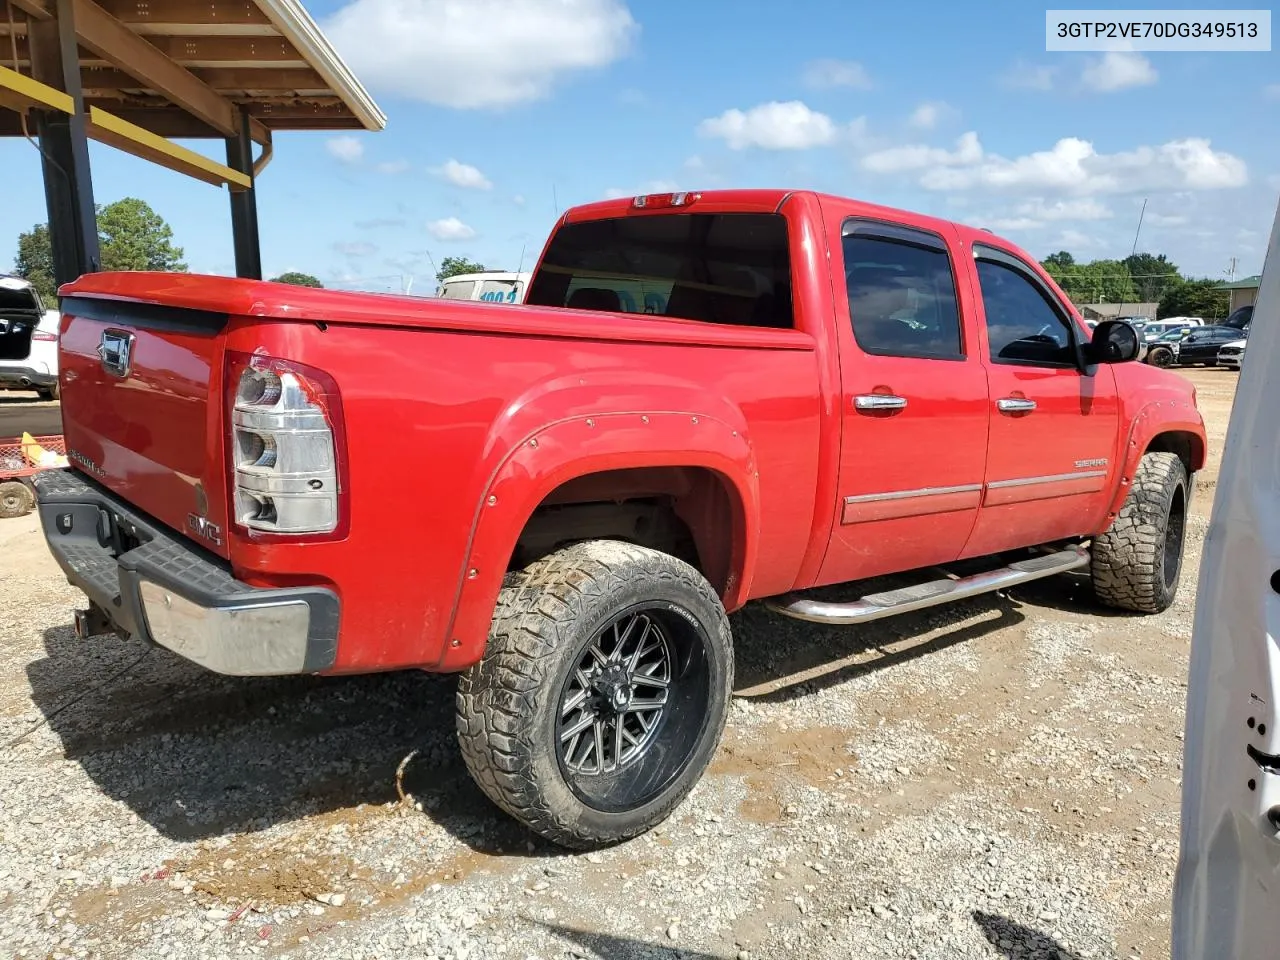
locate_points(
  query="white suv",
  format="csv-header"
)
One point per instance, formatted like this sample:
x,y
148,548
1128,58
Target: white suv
x,y
28,340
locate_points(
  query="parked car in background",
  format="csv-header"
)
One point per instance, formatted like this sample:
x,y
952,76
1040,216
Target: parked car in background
x,y
1240,317
1156,329
28,340
1162,351
492,286
1202,344
1232,354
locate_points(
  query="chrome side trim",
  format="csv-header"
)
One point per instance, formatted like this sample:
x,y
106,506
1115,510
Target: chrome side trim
x,y
1056,478
905,494
879,606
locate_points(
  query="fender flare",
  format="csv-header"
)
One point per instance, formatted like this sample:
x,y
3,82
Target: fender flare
x,y
1151,420
577,445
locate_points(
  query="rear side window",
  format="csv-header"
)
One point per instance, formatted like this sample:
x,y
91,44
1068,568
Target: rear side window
x,y
462,290
902,294
728,268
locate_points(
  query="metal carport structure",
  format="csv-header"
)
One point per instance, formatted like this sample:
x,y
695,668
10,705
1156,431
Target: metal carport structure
x,y
135,73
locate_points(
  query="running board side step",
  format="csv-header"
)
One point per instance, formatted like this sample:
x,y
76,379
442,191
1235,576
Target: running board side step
x,y
875,606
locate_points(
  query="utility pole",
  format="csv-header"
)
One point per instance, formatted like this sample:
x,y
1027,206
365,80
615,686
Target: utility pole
x,y
1231,274
1139,230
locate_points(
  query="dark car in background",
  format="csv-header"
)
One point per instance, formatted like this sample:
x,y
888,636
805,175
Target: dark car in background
x,y
1202,344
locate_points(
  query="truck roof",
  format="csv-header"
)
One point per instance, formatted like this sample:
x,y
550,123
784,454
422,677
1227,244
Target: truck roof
x,y
768,200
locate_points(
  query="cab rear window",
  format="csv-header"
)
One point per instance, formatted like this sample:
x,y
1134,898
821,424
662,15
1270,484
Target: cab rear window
x,y
725,268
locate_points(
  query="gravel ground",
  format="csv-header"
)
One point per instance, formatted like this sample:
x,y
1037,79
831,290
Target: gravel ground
x,y
998,779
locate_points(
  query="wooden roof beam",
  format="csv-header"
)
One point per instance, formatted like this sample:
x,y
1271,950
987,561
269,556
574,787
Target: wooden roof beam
x,y
38,9
113,41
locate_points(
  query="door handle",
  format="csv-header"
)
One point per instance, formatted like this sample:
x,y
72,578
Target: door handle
x,y
1015,405
879,401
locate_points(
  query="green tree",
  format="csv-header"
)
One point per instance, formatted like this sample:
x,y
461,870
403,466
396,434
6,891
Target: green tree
x,y
297,279
135,237
131,236
452,266
1099,281
1058,261
1152,275
35,262
1194,298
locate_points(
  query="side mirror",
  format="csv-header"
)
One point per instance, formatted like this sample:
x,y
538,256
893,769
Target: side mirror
x,y
1114,341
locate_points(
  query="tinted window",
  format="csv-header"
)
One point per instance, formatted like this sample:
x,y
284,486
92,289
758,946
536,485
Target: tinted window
x,y
902,297
1022,325
730,268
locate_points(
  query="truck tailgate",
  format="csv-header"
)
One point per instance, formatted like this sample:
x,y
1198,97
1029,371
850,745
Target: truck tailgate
x,y
142,413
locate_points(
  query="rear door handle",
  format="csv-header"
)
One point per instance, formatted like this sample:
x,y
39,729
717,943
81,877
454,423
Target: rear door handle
x,y
879,401
1015,405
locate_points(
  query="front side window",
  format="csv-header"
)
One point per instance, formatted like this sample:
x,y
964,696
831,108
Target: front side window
x,y
1023,326
726,268
902,296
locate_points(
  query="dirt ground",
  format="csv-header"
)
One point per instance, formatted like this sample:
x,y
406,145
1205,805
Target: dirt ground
x,y
999,778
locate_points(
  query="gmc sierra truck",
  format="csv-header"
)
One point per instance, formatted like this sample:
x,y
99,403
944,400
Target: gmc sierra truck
x,y
706,399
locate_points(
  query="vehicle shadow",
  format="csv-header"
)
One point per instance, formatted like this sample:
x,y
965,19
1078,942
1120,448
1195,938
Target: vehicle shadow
x,y
199,755
1018,942
623,948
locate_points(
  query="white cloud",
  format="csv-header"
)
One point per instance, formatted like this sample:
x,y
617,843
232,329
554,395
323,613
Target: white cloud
x,y
393,167
826,74
929,114
1071,166
478,53
694,162
1271,91
1118,70
1030,76
519,200
1014,223
451,228
357,248
1085,208
968,151
347,150
463,175
771,126
1164,220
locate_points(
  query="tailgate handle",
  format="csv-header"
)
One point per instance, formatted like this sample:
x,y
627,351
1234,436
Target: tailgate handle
x,y
115,350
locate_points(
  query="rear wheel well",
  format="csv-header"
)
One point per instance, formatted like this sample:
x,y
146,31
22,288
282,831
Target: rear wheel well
x,y
688,512
1186,446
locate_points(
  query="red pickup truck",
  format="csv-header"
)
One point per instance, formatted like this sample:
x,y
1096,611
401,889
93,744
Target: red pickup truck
x,y
706,399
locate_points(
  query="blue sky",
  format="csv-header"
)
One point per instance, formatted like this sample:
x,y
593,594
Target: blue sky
x,y
497,109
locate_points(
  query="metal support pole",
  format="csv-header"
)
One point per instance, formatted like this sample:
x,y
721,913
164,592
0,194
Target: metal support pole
x,y
64,146
244,205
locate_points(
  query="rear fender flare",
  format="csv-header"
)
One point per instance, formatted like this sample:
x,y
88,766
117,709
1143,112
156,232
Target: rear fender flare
x,y
579,445
1153,419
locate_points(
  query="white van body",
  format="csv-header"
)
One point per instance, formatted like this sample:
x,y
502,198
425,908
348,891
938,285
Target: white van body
x,y
494,286
1226,894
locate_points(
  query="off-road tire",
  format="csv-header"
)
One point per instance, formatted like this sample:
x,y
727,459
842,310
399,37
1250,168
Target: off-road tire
x,y
548,615
1160,357
48,393
16,499
1131,561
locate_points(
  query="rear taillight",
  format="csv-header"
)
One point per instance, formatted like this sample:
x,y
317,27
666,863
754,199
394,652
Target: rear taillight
x,y
285,447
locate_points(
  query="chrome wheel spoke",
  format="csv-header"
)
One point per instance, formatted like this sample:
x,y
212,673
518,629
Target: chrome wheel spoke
x,y
578,727
641,680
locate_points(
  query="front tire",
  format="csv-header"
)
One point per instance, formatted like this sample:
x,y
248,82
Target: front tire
x,y
602,694
1137,563
1160,357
